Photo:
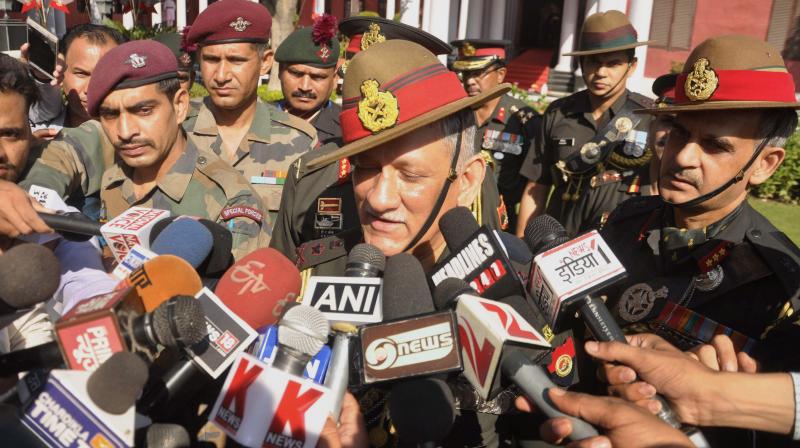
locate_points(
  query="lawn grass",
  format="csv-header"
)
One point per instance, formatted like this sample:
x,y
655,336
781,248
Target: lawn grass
x,y
785,217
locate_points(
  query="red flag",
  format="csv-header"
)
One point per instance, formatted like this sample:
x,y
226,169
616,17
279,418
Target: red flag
x,y
56,4
30,5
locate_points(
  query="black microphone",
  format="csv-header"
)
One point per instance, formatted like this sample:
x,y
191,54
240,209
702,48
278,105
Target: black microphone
x,y
29,274
422,411
405,289
365,260
460,225
163,435
74,226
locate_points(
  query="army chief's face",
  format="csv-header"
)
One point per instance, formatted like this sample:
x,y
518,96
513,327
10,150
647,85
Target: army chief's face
x,y
706,149
143,123
396,186
231,73
306,88
605,74
15,135
81,58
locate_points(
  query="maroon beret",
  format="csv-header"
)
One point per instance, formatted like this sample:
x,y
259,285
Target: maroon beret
x,y
129,65
228,21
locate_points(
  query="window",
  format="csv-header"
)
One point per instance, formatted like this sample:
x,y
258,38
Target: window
x,y
671,24
781,21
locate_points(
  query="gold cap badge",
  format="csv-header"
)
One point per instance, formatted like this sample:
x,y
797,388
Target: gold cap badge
x,y
372,36
377,110
468,49
701,82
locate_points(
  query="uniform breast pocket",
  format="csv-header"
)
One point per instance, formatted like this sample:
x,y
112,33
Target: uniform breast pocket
x,y
270,195
564,146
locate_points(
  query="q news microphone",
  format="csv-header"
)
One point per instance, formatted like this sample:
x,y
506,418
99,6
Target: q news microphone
x,y
252,294
566,276
98,327
422,410
78,408
414,339
498,345
29,274
262,405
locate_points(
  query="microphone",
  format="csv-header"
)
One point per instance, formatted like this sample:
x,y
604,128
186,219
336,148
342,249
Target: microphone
x,y
460,225
271,405
29,274
87,409
98,327
162,277
163,435
567,274
354,298
129,228
219,259
422,411
265,348
184,238
414,340
136,257
74,226
259,286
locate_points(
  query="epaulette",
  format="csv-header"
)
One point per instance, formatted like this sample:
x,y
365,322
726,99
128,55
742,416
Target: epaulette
x,y
640,99
521,111
782,256
302,161
635,206
291,121
323,250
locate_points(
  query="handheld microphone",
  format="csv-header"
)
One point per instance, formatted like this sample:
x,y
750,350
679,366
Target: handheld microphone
x,y
567,274
163,435
266,346
29,274
184,238
75,408
161,278
271,405
74,226
219,259
129,228
422,411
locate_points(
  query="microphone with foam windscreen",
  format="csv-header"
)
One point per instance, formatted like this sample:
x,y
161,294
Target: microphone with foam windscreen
x,y
566,276
163,435
460,224
162,277
422,411
185,238
29,274
219,259
262,405
114,386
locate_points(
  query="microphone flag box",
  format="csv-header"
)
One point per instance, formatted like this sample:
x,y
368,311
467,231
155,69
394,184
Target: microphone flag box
x,y
136,257
62,414
572,270
486,328
355,300
48,198
263,406
228,335
264,350
90,332
131,227
482,263
421,345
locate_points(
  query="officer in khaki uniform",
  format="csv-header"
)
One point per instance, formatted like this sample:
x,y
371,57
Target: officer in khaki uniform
x,y
506,125
232,39
591,147
150,169
318,201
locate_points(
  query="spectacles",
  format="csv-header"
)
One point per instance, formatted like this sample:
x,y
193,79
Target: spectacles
x,y
480,74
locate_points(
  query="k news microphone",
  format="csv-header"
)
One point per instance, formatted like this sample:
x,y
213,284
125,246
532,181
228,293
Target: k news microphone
x,y
185,238
567,274
422,411
262,405
73,226
29,274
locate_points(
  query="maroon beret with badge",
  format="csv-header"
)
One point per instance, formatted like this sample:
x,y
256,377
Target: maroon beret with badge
x,y
230,21
129,65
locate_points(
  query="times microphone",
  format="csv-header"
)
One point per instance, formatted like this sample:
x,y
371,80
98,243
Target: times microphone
x,y
414,339
566,276
78,408
29,274
262,405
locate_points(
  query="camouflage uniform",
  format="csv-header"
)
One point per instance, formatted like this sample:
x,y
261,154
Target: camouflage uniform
x,y
274,141
201,185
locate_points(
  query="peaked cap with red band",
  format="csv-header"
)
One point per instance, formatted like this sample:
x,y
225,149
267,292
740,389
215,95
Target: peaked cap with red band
x,y
384,29
476,54
392,89
231,21
606,32
664,89
132,64
732,72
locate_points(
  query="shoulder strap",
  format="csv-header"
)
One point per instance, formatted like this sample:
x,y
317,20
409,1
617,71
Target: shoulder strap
x,y
782,256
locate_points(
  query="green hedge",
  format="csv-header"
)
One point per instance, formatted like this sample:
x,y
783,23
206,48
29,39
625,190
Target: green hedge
x,y
784,185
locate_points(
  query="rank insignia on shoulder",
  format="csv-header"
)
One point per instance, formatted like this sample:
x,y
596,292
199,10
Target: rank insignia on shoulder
x,y
344,171
241,211
501,114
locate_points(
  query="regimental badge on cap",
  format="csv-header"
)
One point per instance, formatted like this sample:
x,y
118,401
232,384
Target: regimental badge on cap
x,y
324,52
372,36
136,61
240,24
468,49
377,110
701,82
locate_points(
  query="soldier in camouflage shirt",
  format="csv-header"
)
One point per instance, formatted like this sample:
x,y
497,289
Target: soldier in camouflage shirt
x,y
155,165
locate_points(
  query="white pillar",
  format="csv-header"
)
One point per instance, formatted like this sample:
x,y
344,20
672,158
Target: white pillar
x,y
497,19
180,14
319,6
619,5
127,20
569,31
201,5
463,19
390,5
155,16
640,15
438,18
475,20
426,16
592,6
411,14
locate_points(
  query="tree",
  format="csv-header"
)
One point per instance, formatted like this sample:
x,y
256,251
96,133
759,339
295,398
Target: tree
x,y
282,26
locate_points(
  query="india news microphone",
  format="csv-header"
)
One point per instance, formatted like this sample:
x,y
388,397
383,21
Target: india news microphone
x,y
565,277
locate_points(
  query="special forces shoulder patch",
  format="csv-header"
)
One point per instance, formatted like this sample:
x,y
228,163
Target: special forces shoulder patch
x,y
241,211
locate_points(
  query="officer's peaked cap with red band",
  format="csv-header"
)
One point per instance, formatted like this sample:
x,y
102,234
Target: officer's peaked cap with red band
x,y
132,64
231,21
364,31
732,72
394,88
476,54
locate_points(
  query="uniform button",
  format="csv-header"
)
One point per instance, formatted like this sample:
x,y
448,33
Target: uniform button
x,y
201,160
756,233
